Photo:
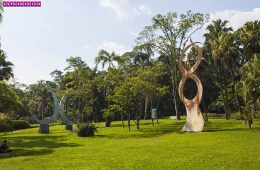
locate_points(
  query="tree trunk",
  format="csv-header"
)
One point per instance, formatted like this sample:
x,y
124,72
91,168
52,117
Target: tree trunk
x,y
129,117
176,93
174,99
137,122
108,121
145,107
220,72
235,90
122,119
254,113
226,95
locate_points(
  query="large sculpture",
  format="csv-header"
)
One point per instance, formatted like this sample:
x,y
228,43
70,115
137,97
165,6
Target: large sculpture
x,y
58,112
194,121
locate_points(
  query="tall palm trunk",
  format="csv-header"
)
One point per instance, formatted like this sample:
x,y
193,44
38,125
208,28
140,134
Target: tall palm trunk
x,y
225,90
236,93
220,74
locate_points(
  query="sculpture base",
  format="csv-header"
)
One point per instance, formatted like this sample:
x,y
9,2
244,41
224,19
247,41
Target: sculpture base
x,y
69,127
44,128
194,121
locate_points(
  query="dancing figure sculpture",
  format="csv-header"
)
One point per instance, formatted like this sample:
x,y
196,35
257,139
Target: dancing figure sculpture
x,y
194,121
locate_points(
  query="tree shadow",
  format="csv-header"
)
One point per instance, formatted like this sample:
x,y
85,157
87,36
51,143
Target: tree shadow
x,y
227,126
174,127
24,145
146,132
24,152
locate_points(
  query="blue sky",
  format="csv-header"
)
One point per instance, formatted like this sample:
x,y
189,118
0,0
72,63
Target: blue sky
x,y
38,40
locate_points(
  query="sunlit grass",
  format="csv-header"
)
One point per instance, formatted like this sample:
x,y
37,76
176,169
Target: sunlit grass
x,y
223,145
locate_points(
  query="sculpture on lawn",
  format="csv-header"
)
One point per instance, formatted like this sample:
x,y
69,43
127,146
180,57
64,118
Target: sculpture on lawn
x,y
194,121
58,112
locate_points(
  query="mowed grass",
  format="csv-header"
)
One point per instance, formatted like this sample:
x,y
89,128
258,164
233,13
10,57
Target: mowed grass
x,y
222,145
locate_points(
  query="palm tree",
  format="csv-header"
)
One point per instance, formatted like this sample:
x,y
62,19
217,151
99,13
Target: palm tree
x,y
214,41
6,70
249,37
106,58
229,50
250,88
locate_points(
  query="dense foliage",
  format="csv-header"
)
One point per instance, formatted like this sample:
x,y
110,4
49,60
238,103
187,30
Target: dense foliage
x,y
86,129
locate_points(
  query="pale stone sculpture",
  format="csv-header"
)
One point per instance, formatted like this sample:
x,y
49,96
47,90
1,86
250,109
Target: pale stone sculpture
x,y
63,117
194,121
58,111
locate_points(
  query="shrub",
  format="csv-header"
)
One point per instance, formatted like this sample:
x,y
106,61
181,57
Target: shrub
x,y
29,119
5,123
20,124
86,129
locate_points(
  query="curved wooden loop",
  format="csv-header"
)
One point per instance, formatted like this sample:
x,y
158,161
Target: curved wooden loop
x,y
198,96
195,66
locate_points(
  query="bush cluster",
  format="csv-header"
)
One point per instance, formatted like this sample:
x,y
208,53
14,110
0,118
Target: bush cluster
x,y
7,125
20,124
86,129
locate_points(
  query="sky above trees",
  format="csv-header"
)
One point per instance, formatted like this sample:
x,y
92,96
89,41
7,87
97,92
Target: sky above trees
x,y
38,40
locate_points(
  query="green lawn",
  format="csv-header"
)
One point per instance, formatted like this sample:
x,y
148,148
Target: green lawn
x,y
223,145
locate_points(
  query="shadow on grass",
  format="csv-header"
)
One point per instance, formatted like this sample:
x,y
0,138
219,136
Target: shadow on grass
x,y
146,131
34,145
228,126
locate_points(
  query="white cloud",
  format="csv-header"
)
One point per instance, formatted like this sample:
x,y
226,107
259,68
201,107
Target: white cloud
x,y
236,18
117,6
143,9
124,10
113,46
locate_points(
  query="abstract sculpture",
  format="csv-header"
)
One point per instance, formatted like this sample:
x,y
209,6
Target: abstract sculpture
x,y
58,112
194,121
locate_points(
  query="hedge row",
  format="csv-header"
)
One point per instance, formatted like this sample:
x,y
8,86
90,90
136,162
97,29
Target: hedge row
x,y
7,125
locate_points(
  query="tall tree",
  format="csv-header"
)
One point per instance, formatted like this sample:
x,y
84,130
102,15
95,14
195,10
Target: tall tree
x,y
215,42
77,81
168,35
250,88
249,37
41,101
106,58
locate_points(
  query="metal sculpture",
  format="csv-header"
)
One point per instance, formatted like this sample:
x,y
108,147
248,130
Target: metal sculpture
x,y
194,121
58,112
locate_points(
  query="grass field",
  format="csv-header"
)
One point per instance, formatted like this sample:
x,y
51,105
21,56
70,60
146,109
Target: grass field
x,y
223,145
